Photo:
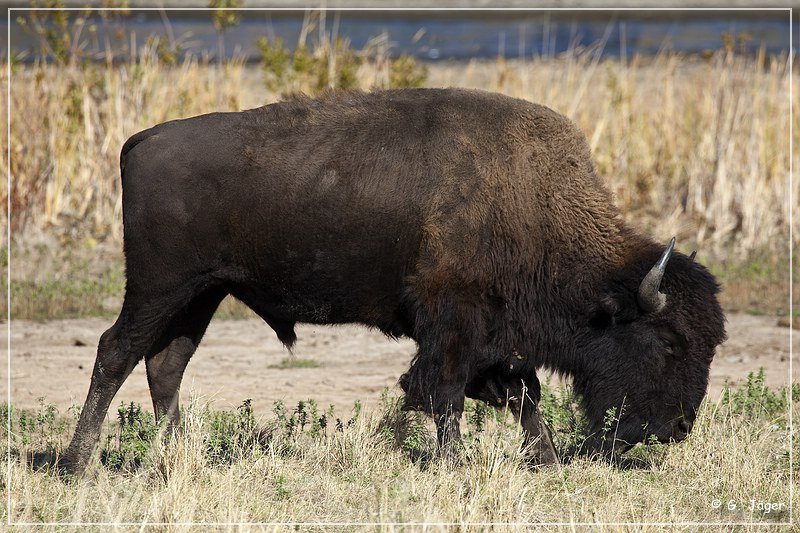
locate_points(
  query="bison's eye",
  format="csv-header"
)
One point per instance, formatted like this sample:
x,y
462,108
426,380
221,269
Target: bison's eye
x,y
669,341
668,347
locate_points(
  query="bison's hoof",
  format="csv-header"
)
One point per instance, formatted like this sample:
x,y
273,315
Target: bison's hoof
x,y
452,454
542,459
68,469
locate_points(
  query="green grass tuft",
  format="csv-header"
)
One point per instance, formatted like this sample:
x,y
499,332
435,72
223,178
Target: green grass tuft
x,y
296,362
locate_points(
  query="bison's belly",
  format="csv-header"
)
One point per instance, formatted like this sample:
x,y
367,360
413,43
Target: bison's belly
x,y
322,273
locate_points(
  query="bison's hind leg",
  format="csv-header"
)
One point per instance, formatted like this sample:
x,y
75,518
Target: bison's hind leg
x,y
141,323
167,361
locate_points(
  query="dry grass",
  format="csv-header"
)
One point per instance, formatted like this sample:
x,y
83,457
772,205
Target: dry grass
x,y
378,471
696,147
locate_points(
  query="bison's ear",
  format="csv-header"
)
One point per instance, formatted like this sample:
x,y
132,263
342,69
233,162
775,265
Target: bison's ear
x,y
606,313
614,309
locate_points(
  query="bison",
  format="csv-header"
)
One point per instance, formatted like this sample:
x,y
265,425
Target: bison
x,y
471,222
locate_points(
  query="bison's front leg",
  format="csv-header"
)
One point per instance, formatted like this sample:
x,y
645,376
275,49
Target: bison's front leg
x,y
522,398
448,433
435,383
538,439
427,390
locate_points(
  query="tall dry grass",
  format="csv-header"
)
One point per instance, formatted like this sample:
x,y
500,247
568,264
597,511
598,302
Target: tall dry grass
x,y
691,146
697,147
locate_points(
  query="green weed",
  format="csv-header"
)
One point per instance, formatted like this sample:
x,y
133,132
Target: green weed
x,y
560,409
129,447
296,362
755,400
233,434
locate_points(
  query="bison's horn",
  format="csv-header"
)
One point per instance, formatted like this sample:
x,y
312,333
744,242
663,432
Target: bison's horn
x,y
694,253
650,298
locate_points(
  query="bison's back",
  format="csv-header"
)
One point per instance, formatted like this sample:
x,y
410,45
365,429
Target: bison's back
x,y
345,205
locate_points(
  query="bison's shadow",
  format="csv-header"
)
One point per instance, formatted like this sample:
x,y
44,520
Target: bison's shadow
x,y
46,461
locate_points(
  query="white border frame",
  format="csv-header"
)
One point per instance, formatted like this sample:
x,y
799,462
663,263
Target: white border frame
x,y
790,200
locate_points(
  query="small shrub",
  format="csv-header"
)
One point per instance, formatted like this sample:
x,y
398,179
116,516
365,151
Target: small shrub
x,y
303,61
232,434
347,63
128,449
330,66
167,53
225,14
756,400
295,362
560,409
275,62
224,17
281,492
405,72
43,428
610,420
476,415
290,430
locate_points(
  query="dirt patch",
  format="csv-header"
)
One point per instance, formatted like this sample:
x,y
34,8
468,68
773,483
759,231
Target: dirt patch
x,y
242,359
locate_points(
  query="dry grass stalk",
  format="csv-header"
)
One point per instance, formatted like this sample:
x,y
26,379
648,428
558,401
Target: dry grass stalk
x,y
360,475
693,147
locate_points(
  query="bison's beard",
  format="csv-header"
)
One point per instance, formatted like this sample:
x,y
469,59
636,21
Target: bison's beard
x,y
609,443
618,440
604,447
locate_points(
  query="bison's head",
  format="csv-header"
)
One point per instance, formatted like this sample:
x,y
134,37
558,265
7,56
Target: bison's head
x,y
647,350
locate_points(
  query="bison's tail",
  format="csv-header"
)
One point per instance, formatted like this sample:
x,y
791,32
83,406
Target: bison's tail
x,y
129,145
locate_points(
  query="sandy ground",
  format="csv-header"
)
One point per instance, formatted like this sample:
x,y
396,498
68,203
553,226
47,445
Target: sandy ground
x,y
236,361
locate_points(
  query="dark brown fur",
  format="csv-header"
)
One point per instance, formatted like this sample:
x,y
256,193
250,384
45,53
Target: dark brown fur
x,y
472,222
